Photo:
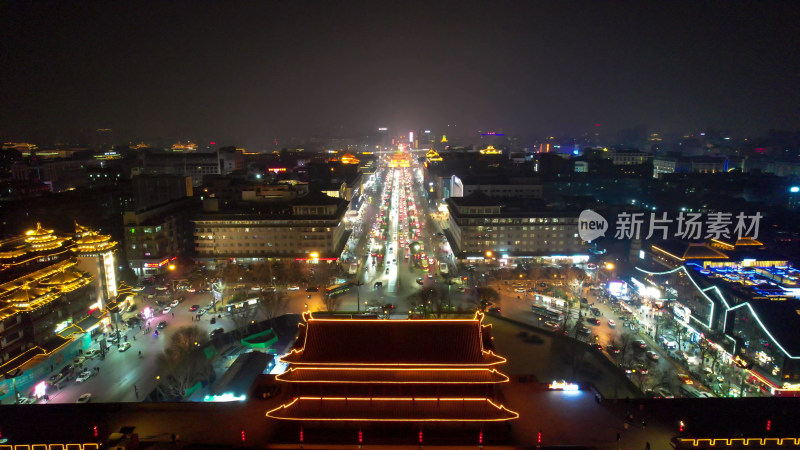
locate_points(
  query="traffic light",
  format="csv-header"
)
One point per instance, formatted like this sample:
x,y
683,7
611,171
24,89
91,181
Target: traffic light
x,y
360,437
769,424
243,436
420,437
301,435
94,430
681,426
480,437
539,438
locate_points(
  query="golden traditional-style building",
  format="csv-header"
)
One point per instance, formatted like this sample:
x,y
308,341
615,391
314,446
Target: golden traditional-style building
x,y
49,282
399,159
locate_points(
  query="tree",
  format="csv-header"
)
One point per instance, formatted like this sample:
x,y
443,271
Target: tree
x,y
430,301
183,363
263,274
242,317
272,303
330,301
625,344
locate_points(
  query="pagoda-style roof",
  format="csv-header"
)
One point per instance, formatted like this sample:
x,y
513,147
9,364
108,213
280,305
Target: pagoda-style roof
x,y
63,277
90,241
392,375
348,158
393,409
392,342
41,239
26,295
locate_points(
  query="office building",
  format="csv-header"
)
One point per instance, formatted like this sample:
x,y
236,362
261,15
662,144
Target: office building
x,y
481,227
308,228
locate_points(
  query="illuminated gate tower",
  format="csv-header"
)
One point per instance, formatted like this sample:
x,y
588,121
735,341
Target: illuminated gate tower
x,y
399,159
95,254
358,372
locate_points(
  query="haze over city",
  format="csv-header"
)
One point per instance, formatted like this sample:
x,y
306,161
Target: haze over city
x,y
246,73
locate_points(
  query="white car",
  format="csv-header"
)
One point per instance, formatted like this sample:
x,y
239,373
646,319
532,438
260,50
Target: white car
x,y
293,288
166,310
83,376
174,303
84,398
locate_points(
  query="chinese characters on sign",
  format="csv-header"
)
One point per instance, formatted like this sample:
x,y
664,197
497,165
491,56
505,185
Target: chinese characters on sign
x,y
689,226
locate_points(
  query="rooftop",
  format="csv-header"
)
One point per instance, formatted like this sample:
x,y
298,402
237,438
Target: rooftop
x,y
392,342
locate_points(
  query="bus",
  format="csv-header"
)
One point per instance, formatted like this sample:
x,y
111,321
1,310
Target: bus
x,y
548,313
337,289
443,267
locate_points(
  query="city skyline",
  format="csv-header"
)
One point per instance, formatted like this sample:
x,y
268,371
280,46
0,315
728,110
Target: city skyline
x,y
250,73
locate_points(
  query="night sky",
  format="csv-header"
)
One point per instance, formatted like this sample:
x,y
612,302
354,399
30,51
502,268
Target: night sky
x,y
249,72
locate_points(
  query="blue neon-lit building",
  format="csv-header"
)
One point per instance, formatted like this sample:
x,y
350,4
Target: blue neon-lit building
x,y
740,296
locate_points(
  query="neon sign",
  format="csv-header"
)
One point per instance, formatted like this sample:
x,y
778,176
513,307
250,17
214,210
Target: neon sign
x,y
562,385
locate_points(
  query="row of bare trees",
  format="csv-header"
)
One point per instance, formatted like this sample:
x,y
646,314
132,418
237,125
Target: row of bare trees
x,y
277,273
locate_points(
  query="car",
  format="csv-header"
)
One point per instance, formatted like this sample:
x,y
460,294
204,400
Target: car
x,y
597,347
638,368
662,393
611,323
56,378
26,401
174,303
201,312
78,360
162,324
430,275
551,324
386,272
639,344
419,280
653,356
377,284
217,332
293,288
194,308
593,321
612,349
166,310
583,330
494,310
192,290
91,354
462,289
519,290
312,289
83,376
84,398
